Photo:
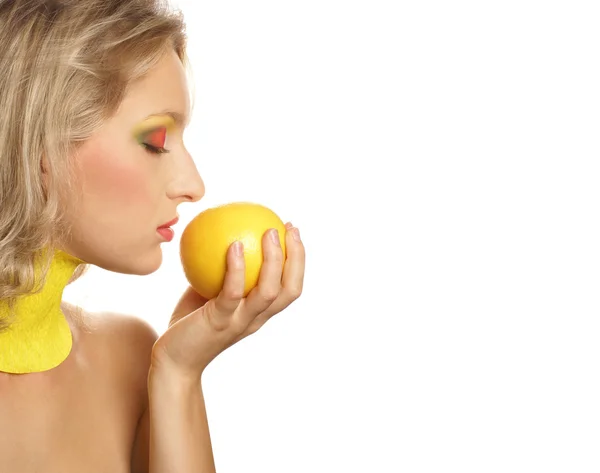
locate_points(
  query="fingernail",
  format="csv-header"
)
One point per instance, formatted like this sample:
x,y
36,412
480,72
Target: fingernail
x,y
296,234
275,237
288,225
238,248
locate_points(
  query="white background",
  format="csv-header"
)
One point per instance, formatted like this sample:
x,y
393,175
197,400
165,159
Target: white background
x,y
440,160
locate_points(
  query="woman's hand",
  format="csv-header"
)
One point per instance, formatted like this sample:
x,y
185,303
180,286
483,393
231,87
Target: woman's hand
x,y
201,329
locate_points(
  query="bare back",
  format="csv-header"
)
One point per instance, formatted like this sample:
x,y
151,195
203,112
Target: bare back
x,y
81,416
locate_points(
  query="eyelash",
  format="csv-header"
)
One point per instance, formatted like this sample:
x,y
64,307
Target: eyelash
x,y
154,149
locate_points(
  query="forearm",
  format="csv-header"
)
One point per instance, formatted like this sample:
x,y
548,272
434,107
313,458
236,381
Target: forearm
x,y
179,432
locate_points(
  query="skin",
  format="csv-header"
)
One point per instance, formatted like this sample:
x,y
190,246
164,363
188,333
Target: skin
x,y
128,191
95,412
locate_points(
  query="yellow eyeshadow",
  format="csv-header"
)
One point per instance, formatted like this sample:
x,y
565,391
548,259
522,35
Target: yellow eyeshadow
x,y
152,123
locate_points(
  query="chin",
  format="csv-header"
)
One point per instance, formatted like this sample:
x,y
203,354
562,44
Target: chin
x,y
135,263
147,263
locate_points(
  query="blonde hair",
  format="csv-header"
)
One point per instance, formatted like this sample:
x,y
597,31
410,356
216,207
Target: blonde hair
x,y
65,67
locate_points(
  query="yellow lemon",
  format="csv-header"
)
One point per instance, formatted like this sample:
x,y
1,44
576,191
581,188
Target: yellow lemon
x,y
206,239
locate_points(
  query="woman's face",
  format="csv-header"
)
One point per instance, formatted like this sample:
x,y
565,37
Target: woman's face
x,y
128,190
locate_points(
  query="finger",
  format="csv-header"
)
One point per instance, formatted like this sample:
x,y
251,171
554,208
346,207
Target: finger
x,y
293,273
228,300
269,279
292,280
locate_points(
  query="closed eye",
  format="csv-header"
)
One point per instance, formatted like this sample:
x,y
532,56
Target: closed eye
x,y
154,149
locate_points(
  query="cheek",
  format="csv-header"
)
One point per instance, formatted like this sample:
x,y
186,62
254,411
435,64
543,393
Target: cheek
x,y
116,183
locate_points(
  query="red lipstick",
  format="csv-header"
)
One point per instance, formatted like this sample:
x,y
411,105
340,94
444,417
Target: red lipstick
x,y
165,231
168,224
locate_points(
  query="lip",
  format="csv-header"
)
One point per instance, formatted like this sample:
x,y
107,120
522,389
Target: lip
x,y
166,233
168,224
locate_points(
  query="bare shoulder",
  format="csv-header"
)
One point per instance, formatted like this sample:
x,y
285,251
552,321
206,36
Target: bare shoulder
x,y
130,338
120,328
128,330
120,341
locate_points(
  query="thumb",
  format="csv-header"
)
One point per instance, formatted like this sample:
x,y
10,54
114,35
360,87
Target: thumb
x,y
188,302
221,309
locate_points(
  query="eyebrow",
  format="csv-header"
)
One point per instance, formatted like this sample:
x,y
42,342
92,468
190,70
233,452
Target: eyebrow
x,y
180,120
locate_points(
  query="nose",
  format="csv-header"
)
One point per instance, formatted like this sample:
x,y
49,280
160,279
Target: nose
x,y
187,184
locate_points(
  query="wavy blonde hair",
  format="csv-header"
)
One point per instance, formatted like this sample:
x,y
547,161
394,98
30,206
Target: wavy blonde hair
x,y
65,67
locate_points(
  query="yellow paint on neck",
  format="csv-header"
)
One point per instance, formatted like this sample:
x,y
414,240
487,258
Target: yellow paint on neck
x,y
39,339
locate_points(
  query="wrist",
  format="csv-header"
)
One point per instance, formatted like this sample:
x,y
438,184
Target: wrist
x,y
161,377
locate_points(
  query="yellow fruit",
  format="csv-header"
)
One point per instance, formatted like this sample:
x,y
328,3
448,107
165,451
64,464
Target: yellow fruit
x,y
206,239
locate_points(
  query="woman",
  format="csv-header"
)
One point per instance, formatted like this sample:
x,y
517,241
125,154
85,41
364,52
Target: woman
x,y
94,102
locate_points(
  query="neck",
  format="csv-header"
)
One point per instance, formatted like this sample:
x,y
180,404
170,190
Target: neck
x,y
40,338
